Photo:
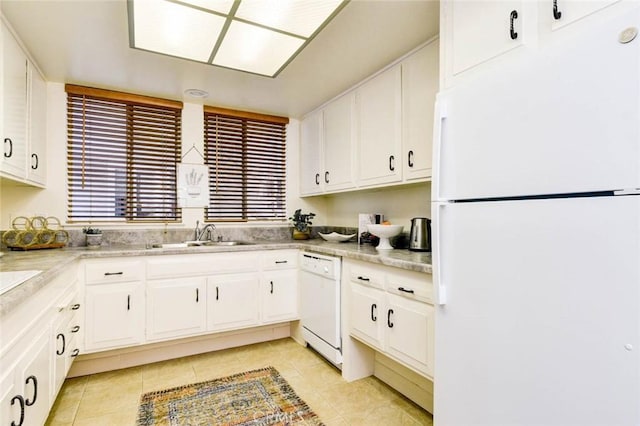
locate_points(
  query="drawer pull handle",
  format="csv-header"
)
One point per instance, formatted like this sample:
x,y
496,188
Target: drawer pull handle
x,y
392,165
373,315
217,293
33,379
317,178
75,329
410,159
75,353
75,307
364,279
326,177
271,291
128,302
406,290
389,323
197,295
20,400
281,261
34,166
107,274
64,344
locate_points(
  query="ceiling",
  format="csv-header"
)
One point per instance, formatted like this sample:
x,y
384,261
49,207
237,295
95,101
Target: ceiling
x,y
86,42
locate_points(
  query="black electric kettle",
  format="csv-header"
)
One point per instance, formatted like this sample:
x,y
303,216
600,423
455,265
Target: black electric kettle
x,y
420,235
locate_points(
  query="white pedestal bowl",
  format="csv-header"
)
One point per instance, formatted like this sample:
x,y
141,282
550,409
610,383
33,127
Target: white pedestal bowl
x,y
385,232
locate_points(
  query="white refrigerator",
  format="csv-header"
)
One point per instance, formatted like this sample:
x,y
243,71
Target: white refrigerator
x,y
536,234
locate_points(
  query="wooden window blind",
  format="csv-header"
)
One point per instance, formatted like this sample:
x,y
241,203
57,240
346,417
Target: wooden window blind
x,y
246,155
121,156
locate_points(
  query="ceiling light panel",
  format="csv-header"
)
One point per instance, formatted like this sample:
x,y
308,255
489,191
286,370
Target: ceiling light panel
x,y
175,29
220,6
294,16
254,49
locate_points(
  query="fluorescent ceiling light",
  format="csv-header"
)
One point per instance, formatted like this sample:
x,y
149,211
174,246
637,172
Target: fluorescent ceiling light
x,y
256,36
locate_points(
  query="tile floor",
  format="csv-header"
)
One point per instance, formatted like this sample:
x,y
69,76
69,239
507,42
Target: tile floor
x,y
112,398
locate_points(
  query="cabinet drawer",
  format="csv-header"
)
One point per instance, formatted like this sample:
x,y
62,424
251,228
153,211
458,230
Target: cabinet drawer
x,y
200,264
410,285
117,271
367,276
283,259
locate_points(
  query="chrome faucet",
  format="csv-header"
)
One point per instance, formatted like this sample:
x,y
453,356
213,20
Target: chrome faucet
x,y
206,231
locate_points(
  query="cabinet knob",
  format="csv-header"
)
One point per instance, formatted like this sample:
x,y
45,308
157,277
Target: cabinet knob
x,y
512,17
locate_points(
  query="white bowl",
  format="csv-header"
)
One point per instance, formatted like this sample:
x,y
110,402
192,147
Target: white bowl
x,y
335,237
384,232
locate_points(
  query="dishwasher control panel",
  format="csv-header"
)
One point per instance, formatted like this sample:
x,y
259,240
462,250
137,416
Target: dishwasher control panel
x,y
320,265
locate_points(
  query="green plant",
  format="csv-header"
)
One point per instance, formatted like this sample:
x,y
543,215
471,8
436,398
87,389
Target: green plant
x,y
301,221
91,231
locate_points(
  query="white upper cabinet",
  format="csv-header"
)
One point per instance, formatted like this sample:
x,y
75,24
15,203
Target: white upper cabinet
x,y
338,147
419,88
14,106
479,36
475,32
379,111
23,114
564,12
310,154
36,160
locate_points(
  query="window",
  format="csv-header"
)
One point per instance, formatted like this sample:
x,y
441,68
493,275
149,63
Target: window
x,y
121,156
246,157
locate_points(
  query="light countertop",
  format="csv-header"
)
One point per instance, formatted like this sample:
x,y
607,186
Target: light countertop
x,y
52,262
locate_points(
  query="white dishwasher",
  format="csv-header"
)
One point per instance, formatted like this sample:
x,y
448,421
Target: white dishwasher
x,y
320,304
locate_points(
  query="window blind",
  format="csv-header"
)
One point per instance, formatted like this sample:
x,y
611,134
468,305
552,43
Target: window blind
x,y
121,156
246,154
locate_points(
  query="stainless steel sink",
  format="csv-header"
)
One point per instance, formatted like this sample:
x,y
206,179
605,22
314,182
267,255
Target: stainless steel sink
x,y
202,244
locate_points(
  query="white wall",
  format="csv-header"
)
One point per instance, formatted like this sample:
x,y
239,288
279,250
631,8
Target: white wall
x,y
52,201
398,204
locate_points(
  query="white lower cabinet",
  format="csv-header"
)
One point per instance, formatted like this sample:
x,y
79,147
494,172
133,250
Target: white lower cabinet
x,y
26,388
279,294
233,301
176,307
114,316
390,311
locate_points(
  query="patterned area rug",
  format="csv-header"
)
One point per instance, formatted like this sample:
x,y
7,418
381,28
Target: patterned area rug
x,y
257,397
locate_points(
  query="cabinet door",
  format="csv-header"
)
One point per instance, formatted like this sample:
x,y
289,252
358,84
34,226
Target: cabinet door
x,y
367,312
37,160
114,316
280,296
176,307
232,301
419,88
338,144
379,129
408,329
566,12
311,154
477,31
14,106
33,379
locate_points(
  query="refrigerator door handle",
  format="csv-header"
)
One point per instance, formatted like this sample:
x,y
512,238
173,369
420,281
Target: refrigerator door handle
x,y
439,287
439,119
